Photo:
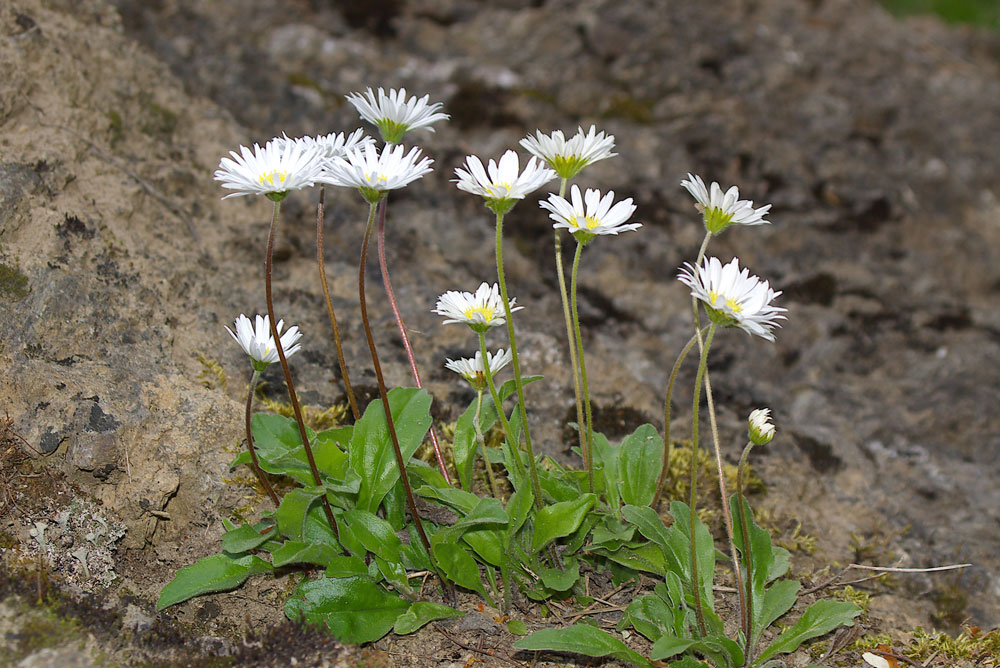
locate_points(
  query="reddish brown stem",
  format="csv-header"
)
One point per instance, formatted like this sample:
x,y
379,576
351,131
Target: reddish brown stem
x,y
264,482
293,398
383,394
329,307
384,267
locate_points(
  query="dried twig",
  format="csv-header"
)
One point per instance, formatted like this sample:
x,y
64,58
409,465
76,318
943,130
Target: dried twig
x,y
470,648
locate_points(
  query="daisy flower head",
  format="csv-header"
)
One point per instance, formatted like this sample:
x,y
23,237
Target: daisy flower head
x,y
733,298
590,215
569,157
473,371
336,144
376,172
283,164
502,184
256,340
480,310
394,114
759,427
723,209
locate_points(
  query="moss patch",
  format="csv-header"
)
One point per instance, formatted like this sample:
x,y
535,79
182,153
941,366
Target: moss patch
x,y
13,284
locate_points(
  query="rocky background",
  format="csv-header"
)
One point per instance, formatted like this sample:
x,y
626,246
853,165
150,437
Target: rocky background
x,y
874,140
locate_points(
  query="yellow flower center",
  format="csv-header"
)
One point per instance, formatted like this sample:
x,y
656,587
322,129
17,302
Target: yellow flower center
x,y
484,311
273,178
499,190
731,303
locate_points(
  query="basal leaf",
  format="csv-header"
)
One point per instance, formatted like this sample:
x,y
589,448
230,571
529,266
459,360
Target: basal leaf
x,y
355,609
581,639
650,615
819,618
219,572
560,579
244,539
296,552
421,613
374,533
640,458
291,514
458,565
371,450
560,519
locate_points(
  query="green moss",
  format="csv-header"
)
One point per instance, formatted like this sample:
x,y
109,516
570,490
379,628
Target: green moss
x,y
116,126
630,109
13,284
299,79
951,601
40,627
212,374
859,598
158,121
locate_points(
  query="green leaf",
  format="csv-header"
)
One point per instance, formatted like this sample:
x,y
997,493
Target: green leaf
x,y
371,450
421,613
291,514
342,567
777,600
458,565
517,627
244,539
465,445
649,615
720,650
560,579
606,461
581,639
668,646
219,572
374,533
645,557
560,519
355,609
518,508
640,458
819,618
487,543
296,552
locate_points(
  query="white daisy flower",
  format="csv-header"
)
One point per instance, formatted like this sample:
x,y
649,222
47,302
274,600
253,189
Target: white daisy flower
x,y
473,371
280,166
257,342
590,215
734,298
333,145
569,157
759,427
723,209
502,184
393,114
480,311
375,173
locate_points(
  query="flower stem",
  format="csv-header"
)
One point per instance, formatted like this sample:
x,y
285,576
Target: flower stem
x,y
383,394
508,434
747,554
570,338
293,398
482,444
665,471
702,365
589,428
535,485
726,513
352,400
387,283
264,482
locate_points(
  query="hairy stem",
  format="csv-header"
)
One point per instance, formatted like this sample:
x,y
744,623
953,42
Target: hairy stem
x,y
387,283
535,485
482,444
587,429
293,398
507,433
383,394
702,365
747,554
352,400
261,476
570,337
665,470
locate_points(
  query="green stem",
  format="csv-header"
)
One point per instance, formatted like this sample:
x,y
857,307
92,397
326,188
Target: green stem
x,y
264,482
702,366
535,485
351,399
570,338
482,444
747,554
293,398
589,429
665,470
504,423
726,512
